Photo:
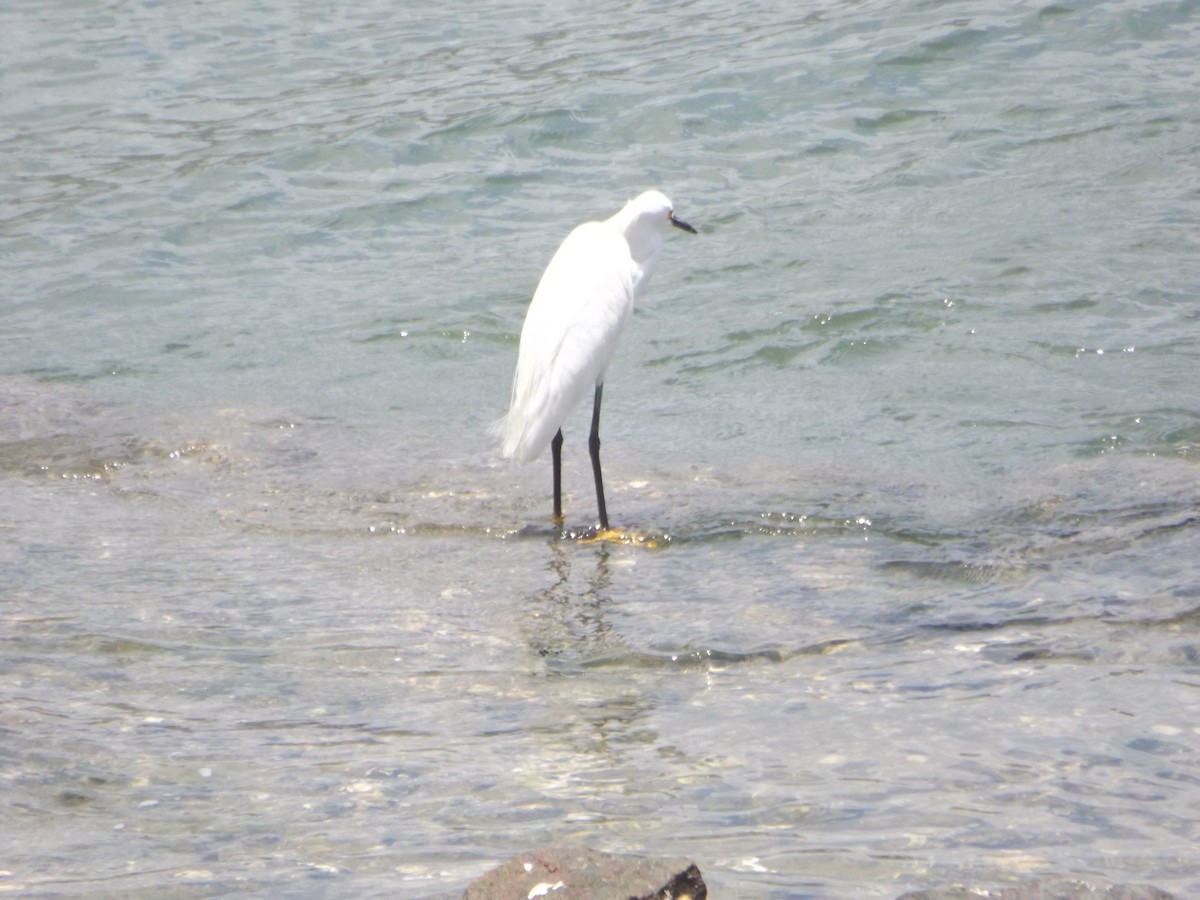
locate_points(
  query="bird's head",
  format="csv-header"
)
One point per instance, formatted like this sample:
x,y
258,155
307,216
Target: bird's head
x,y
655,207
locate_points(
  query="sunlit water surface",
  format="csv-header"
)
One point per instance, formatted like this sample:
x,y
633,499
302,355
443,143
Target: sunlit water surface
x,y
908,437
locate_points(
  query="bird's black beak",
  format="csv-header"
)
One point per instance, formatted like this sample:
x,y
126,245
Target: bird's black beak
x,y
679,223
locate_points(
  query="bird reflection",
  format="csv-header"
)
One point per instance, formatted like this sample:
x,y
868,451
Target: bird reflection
x,y
566,619
579,723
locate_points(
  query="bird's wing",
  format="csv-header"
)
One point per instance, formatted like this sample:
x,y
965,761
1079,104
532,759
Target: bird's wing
x,y
580,307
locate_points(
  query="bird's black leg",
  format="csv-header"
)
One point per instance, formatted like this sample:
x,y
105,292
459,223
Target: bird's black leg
x,y
594,449
556,461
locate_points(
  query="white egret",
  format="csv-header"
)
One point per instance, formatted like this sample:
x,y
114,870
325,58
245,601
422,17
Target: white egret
x,y
578,311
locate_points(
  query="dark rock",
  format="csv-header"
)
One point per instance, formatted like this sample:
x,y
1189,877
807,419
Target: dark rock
x,y
1050,889
558,873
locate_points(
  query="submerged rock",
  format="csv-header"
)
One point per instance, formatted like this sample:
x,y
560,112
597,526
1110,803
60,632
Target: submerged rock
x,y
558,872
1050,889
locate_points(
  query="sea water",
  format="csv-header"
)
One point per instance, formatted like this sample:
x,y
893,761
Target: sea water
x,y
907,436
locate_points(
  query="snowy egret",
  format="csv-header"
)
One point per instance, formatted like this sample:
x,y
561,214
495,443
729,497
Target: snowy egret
x,y
577,314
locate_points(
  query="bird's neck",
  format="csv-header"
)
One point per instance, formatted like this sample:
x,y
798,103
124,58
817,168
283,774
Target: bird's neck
x,y
644,239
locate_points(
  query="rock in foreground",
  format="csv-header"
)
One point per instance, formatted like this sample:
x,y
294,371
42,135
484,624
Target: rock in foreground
x,y
563,873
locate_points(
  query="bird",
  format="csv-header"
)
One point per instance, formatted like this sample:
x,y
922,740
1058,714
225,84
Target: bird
x,y
582,304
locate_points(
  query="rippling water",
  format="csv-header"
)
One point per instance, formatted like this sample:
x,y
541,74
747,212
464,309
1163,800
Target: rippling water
x,y
912,427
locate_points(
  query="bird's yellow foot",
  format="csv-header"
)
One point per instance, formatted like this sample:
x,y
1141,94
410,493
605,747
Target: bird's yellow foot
x,y
612,536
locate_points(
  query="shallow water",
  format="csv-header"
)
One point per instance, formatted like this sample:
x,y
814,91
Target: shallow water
x,y
909,434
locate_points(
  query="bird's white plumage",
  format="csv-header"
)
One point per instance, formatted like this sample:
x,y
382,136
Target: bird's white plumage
x,y
580,308
578,311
